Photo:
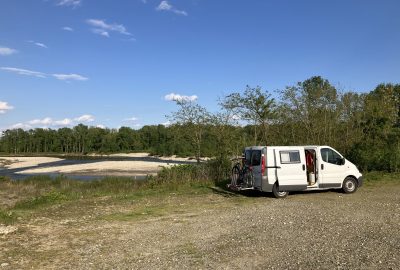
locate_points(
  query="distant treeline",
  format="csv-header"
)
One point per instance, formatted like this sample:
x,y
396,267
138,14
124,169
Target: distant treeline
x,y
365,127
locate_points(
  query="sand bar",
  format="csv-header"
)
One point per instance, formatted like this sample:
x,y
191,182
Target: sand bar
x,y
24,162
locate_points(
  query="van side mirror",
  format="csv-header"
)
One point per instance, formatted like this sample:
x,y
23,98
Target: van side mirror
x,y
342,161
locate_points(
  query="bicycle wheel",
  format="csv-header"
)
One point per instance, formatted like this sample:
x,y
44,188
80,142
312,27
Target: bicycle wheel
x,y
248,178
235,175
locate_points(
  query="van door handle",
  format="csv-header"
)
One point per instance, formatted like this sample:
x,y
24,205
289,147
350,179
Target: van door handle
x,y
322,166
304,167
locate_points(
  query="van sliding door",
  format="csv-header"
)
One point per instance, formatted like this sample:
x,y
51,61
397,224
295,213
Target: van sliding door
x,y
291,169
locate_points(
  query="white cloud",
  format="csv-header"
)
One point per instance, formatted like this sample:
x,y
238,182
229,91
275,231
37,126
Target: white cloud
x,y
44,122
101,25
64,122
4,107
101,32
7,51
48,122
67,28
69,77
84,118
26,72
20,125
69,3
42,45
165,6
168,123
177,97
101,126
131,119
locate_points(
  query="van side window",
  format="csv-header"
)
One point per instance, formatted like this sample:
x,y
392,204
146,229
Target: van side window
x,y
330,156
289,157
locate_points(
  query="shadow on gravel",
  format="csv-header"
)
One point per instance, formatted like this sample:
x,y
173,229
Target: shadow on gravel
x,y
224,191
221,188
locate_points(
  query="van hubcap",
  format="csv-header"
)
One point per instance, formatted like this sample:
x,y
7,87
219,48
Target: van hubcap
x,y
350,185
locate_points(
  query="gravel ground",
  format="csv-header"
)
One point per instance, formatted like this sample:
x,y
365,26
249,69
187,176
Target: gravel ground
x,y
318,230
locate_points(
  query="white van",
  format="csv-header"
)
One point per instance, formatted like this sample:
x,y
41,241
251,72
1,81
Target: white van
x,y
280,169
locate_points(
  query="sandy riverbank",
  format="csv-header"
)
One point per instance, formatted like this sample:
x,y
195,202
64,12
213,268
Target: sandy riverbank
x,y
33,165
134,167
24,162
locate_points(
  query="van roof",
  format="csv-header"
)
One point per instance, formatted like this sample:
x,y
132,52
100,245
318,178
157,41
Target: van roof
x,y
256,147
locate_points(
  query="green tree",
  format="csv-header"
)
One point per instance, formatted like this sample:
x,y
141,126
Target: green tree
x,y
194,118
255,106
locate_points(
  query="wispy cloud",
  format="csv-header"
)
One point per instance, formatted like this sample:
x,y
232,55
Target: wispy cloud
x,y
177,97
70,77
67,28
132,119
103,28
69,3
7,51
61,77
4,107
26,72
39,44
101,32
84,118
165,6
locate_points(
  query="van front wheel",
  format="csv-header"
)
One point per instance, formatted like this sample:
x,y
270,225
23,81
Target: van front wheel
x,y
349,185
279,194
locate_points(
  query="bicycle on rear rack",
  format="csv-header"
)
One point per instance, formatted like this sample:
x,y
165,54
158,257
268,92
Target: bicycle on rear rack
x,y
242,176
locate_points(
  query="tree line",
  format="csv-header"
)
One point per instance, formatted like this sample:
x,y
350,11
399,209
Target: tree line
x,y
365,127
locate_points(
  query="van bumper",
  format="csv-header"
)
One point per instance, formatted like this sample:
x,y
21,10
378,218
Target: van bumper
x,y
360,181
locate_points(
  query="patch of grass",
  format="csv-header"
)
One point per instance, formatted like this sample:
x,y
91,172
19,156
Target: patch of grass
x,y
41,191
373,178
7,217
4,179
50,198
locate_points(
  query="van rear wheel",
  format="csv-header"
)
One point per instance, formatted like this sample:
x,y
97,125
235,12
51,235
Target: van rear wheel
x,y
279,194
349,185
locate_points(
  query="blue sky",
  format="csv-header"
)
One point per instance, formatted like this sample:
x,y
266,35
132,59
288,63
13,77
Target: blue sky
x,y
116,63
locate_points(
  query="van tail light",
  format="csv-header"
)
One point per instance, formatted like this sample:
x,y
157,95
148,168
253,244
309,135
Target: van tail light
x,y
262,164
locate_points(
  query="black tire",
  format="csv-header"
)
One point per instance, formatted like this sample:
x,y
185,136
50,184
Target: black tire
x,y
350,185
248,179
279,194
235,175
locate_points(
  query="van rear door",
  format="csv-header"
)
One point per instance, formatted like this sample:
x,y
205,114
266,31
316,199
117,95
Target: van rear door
x,y
254,158
291,168
256,163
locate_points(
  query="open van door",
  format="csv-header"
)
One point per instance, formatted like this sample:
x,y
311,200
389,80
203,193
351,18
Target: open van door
x,y
255,160
291,168
333,169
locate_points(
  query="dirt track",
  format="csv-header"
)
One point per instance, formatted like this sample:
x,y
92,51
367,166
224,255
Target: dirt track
x,y
325,230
